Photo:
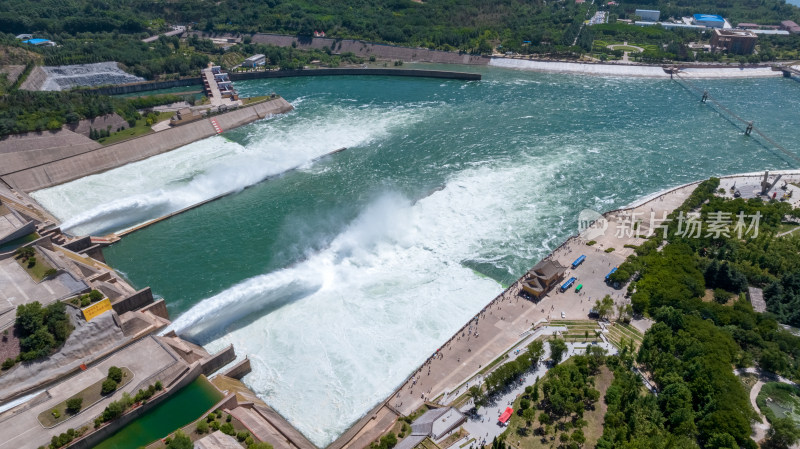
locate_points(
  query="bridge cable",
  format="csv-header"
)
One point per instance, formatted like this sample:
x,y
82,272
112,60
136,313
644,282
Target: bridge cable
x,y
708,97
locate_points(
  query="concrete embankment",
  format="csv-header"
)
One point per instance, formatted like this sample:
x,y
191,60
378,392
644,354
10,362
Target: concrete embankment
x,y
369,72
112,156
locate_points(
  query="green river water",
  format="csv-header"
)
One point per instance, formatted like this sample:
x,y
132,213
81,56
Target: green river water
x,y
188,404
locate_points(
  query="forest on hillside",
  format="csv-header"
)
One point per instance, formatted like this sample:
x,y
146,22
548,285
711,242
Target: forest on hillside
x,y
443,24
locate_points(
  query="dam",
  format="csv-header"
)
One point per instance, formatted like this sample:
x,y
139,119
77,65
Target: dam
x,y
361,265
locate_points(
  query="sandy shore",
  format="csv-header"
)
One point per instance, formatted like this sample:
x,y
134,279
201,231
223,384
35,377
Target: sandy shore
x,y
632,70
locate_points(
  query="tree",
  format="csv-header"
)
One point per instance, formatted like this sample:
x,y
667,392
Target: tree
x,y
783,434
604,307
476,393
557,350
544,419
721,296
181,441
74,405
388,441
115,374
535,351
113,410
578,437
108,386
30,317
529,414
773,360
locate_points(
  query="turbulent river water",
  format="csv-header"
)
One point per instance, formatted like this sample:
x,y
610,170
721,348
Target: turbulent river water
x,y
339,278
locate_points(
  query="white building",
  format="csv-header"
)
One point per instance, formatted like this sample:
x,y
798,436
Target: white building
x,y
254,61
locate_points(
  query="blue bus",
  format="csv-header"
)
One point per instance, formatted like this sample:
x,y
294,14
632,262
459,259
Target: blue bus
x,y
608,276
578,261
568,284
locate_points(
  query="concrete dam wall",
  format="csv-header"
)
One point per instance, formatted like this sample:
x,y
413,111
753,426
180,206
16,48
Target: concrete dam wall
x,y
236,76
105,158
355,72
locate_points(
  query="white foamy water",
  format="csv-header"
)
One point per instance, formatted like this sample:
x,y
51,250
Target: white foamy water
x,y
579,68
351,322
197,172
632,70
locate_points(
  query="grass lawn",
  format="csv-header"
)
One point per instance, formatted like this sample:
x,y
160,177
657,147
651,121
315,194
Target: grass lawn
x,y
38,270
619,332
140,129
251,100
90,396
626,48
519,434
451,440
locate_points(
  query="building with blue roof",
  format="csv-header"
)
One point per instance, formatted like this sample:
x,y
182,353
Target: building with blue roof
x,y
709,20
40,42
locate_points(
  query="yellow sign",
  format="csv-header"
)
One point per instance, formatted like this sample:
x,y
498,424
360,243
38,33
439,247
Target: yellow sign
x,y
96,309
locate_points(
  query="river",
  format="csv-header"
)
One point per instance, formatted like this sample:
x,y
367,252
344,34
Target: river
x,y
339,278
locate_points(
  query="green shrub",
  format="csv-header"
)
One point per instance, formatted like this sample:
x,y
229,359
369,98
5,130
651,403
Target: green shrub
x,y
109,385
609,250
259,446
241,436
8,363
114,410
228,418
591,242
95,296
721,296
115,374
74,405
227,429
202,427
159,386
55,414
249,441
85,302
50,272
